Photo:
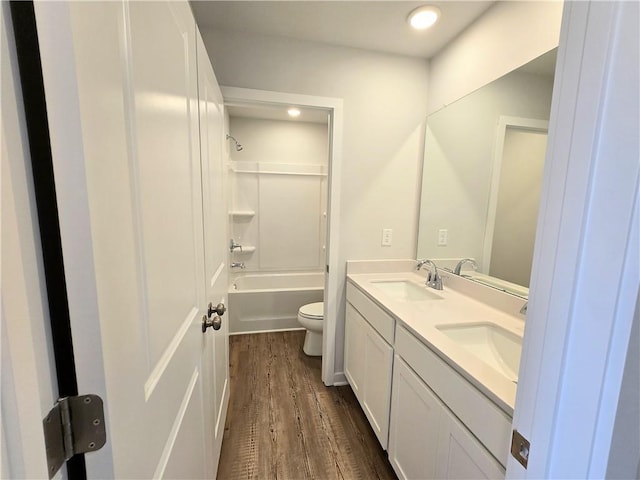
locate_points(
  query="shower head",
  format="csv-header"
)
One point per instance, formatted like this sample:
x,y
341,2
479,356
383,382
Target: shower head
x,y
238,146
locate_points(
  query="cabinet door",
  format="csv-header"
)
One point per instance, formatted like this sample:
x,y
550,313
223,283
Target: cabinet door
x,y
462,456
415,420
378,365
354,350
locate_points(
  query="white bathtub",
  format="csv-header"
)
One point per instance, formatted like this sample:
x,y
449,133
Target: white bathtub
x,y
260,302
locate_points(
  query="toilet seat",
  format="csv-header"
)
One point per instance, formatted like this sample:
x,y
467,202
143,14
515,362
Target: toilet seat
x,y
312,311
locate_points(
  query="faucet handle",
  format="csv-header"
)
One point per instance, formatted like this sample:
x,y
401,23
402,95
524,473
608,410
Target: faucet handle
x,y
233,245
523,310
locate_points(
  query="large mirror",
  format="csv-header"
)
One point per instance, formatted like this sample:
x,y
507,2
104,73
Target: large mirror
x,y
482,176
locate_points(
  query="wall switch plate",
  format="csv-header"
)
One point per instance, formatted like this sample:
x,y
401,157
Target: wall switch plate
x,y
443,237
387,237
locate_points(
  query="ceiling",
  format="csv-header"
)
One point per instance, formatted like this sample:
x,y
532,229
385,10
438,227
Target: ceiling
x,y
372,25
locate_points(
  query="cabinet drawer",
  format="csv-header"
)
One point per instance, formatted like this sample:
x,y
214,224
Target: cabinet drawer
x,y
488,423
381,321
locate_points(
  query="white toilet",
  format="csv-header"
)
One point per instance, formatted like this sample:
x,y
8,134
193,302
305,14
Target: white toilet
x,y
311,317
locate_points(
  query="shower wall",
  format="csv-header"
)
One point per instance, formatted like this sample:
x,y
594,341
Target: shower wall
x,y
279,199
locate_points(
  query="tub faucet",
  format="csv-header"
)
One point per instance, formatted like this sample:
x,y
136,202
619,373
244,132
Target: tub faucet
x,y
462,262
233,245
434,280
238,265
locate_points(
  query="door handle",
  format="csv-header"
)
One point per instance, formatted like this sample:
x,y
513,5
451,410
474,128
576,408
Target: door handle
x,y
215,322
218,309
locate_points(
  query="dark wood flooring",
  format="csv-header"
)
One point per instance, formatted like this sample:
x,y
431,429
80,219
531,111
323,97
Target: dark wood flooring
x,y
283,423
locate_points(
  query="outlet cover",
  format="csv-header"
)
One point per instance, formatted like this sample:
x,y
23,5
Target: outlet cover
x,y
387,237
443,237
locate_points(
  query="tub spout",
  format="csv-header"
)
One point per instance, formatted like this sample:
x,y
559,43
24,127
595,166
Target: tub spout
x,y
238,265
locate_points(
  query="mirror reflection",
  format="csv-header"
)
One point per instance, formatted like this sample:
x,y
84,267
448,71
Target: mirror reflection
x,y
482,176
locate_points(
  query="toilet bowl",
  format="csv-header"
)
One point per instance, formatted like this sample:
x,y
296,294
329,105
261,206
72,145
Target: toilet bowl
x,y
311,317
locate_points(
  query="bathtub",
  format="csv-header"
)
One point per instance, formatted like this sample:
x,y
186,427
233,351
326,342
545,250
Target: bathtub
x,y
260,302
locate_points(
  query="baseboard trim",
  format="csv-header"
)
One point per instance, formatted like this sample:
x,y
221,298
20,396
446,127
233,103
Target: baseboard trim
x,y
266,331
340,379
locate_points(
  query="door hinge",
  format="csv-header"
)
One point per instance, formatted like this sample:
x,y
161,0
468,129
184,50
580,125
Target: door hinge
x,y
74,425
520,448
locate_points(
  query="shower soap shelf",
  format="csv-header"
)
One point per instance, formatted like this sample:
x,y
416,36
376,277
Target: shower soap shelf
x,y
242,213
247,249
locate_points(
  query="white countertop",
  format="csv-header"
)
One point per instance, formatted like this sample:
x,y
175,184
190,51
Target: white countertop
x,y
420,318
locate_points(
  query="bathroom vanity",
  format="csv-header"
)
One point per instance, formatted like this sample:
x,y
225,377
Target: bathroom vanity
x,y
435,371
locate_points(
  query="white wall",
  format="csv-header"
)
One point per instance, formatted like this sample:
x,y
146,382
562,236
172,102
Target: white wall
x,y
277,141
385,99
505,37
288,228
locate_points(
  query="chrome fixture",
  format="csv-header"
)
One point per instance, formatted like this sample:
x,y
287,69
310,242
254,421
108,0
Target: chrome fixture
x,y
239,147
238,265
420,264
523,310
233,245
434,280
462,262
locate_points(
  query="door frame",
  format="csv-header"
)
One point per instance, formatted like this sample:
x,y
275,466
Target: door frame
x,y
585,280
504,122
334,106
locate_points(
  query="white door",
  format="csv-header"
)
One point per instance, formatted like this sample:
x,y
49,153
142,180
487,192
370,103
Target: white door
x,y
354,350
416,415
378,366
123,113
461,455
216,342
28,389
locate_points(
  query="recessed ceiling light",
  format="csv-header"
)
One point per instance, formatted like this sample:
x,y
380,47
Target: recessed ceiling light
x,y
423,17
293,112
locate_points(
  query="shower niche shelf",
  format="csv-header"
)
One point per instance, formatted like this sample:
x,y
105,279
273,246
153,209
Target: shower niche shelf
x,y
242,214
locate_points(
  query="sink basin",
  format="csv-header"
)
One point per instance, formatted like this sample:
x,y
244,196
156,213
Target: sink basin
x,y
492,344
405,290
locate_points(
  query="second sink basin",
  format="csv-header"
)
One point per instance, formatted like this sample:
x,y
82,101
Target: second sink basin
x,y
492,344
405,290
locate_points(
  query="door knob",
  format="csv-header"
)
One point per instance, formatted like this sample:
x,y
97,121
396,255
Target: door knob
x,y
215,322
218,309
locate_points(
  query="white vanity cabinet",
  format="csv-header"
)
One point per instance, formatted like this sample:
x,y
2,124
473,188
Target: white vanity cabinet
x,y
426,439
369,360
416,415
461,455
433,421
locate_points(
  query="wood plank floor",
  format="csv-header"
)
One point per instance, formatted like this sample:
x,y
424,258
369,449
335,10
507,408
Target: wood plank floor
x,y
283,423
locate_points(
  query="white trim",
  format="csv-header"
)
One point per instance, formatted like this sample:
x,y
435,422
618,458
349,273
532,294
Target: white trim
x,y
504,122
332,280
585,277
340,379
273,330
217,274
175,428
162,364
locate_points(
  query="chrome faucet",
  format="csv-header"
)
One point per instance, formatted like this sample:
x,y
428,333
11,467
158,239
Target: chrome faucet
x,y
434,280
462,262
420,264
233,245
238,265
